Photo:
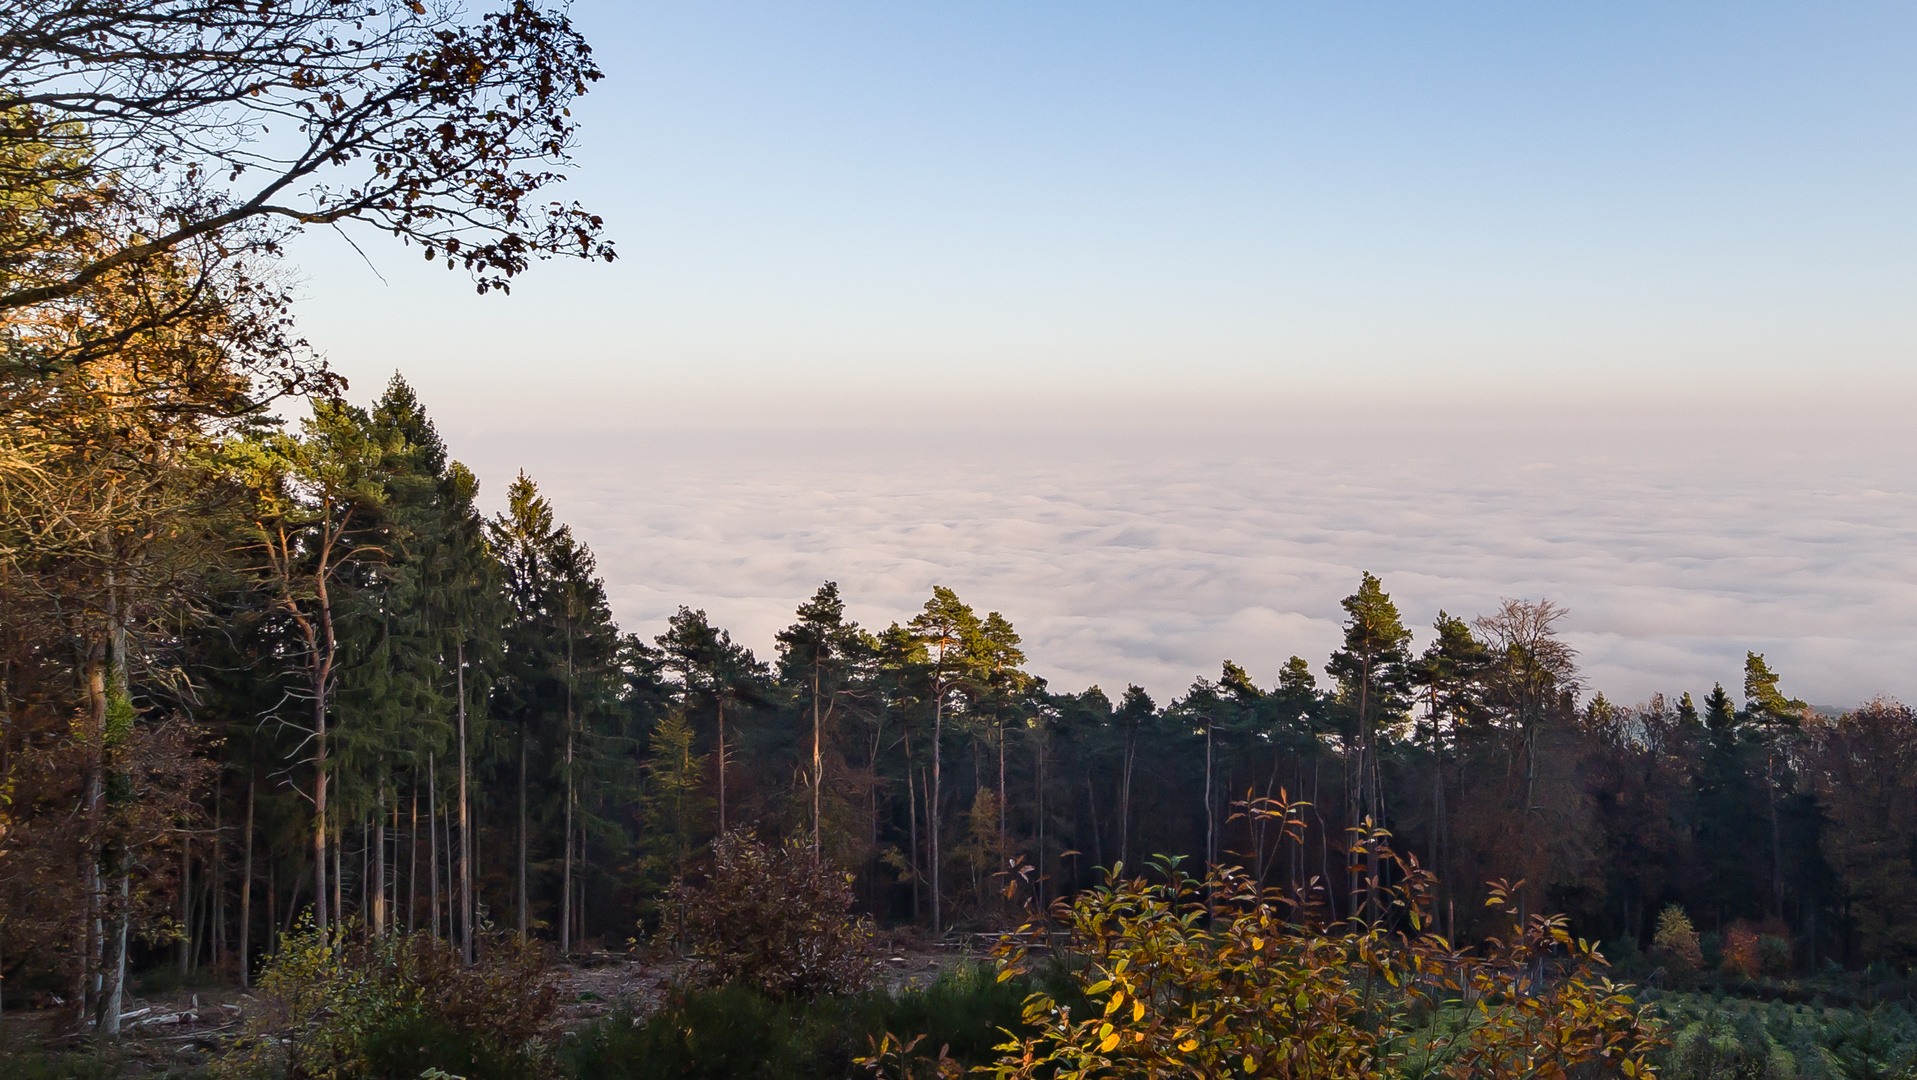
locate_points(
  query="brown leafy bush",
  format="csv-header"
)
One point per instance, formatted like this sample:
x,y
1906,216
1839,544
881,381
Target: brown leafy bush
x,y
770,918
1220,977
343,1005
1741,957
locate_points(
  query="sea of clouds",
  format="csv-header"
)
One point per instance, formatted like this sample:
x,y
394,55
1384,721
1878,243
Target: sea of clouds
x,y
1138,553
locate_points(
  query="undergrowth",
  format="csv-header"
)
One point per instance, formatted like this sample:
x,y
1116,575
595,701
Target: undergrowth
x,y
1714,1038
736,1033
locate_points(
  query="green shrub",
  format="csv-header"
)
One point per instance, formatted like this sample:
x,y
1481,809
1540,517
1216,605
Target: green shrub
x,y
1774,954
737,1033
1747,1040
341,1005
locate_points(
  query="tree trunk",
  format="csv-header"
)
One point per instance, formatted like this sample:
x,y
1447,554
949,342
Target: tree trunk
x,y
218,878
912,820
186,904
465,829
412,868
246,887
722,766
1125,794
1004,796
1098,843
520,892
565,888
432,842
321,912
817,776
1211,818
115,961
932,805
379,860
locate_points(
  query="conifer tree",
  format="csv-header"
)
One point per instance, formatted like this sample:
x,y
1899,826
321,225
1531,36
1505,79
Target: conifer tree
x,y
947,630
815,656
715,674
1373,673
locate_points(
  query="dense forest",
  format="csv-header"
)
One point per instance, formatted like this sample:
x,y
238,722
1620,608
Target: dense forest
x,y
296,672
254,673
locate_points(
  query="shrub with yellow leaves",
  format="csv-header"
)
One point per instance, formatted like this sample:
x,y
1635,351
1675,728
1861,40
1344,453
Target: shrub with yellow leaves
x,y
1221,978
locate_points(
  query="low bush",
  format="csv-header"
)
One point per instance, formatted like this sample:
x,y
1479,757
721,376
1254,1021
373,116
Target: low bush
x,y
1731,1039
772,918
1220,977
342,1005
738,1033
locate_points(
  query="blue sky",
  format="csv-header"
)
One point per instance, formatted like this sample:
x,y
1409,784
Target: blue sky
x,y
992,245
1128,199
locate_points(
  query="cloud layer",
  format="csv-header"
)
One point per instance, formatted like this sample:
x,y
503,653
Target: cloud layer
x,y
1149,557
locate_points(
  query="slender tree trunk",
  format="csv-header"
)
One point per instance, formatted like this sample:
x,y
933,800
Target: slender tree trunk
x,y
272,905
465,829
379,861
246,886
186,904
115,961
90,936
321,912
114,934
1211,818
1098,842
412,855
217,879
1004,796
912,820
817,774
1038,799
432,842
520,890
932,805
1125,795
722,766
1777,847
565,889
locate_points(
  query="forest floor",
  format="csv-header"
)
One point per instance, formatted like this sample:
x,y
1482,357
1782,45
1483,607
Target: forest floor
x,y
594,985
177,1031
